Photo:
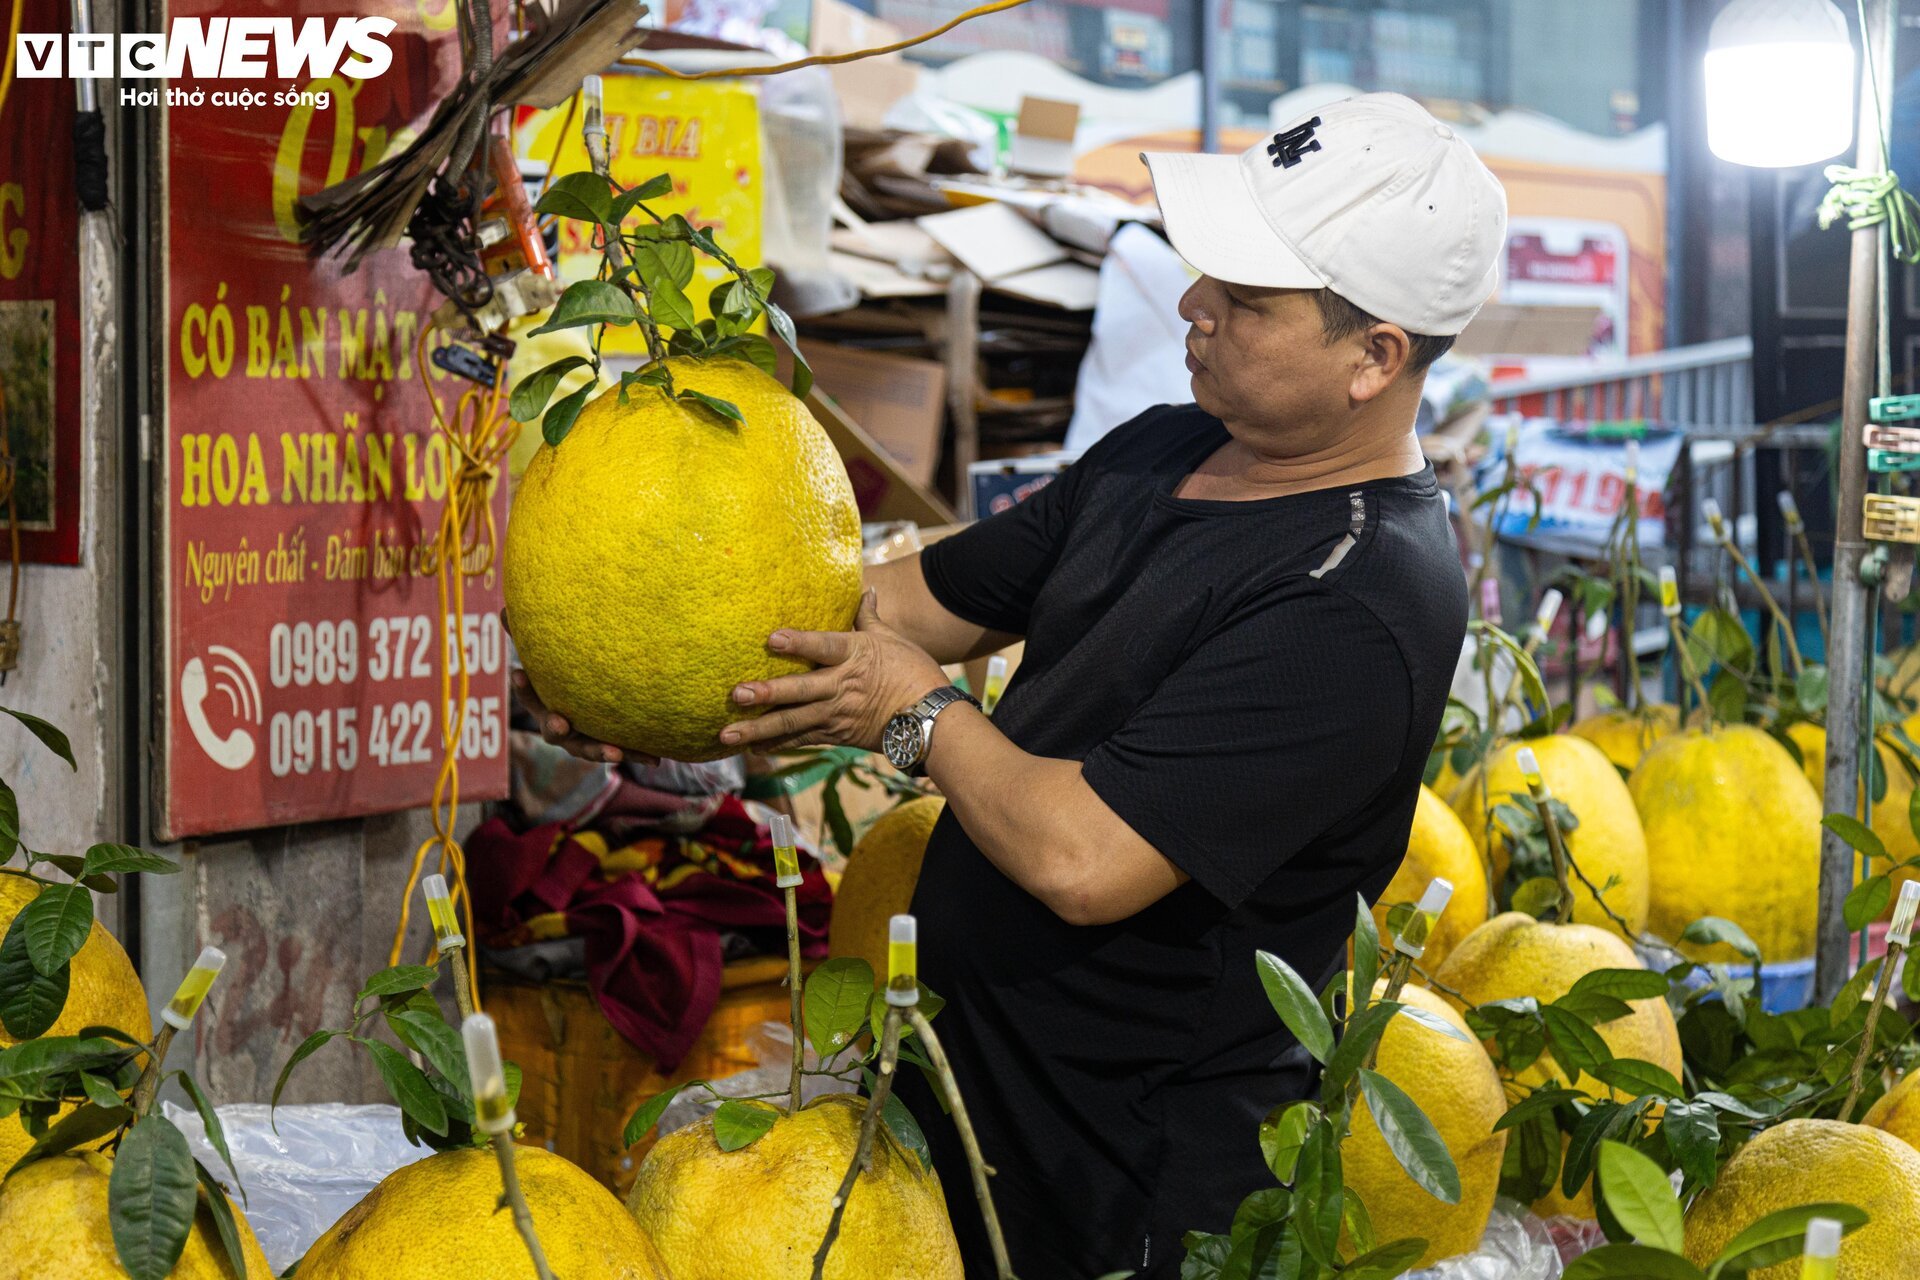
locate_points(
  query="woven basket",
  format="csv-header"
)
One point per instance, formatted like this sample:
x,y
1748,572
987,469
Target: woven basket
x,y
580,1080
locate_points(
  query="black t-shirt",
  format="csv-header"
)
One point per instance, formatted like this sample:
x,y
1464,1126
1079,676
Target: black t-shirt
x,y
1253,687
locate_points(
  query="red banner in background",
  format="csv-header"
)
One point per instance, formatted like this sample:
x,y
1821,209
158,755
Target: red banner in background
x,y
40,303
305,478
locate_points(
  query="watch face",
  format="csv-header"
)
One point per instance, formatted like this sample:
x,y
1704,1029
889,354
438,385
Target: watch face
x,y
901,741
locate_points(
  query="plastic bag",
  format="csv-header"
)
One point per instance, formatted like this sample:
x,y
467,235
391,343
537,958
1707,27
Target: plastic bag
x,y
1516,1246
772,1045
323,1160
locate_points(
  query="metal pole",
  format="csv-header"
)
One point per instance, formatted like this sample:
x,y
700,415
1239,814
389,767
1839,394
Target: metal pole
x,y
1847,658
1209,14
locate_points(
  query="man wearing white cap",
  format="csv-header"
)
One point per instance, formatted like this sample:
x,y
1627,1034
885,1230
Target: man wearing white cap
x,y
1241,619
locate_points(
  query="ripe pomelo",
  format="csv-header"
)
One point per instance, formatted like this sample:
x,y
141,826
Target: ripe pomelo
x,y
1625,735
1439,846
879,880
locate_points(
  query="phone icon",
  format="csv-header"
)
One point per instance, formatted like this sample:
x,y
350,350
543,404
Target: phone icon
x,y
234,678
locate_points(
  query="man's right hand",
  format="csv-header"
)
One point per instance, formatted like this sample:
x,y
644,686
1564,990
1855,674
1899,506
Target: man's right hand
x,y
558,730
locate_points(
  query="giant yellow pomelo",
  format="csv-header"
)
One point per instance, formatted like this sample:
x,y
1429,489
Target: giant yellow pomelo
x,y
1898,1111
1891,820
1439,846
1513,955
878,882
693,1199
1813,1161
437,1218
1455,1084
653,552
102,991
53,1226
1733,830
1625,735
1608,844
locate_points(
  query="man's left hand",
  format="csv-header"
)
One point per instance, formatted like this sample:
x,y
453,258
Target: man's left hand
x,y
863,678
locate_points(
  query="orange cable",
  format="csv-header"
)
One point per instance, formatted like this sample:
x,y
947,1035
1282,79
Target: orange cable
x,y
822,59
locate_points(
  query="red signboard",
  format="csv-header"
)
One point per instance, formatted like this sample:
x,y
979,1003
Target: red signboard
x,y
40,305
305,477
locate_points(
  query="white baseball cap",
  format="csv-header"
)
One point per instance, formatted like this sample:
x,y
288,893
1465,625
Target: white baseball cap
x,y
1370,197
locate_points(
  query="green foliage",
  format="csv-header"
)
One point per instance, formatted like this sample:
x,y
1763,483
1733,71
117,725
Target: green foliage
x,y
644,275
830,768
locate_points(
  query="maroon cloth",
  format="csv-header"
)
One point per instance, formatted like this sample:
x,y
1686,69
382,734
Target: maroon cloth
x,y
654,954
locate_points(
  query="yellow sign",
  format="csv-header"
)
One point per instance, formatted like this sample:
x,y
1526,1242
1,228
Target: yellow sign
x,y
704,134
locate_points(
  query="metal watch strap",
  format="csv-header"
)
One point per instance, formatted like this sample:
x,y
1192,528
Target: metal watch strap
x,y
927,710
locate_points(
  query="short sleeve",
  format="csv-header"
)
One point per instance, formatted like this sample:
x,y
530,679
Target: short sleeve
x,y
990,572
1280,727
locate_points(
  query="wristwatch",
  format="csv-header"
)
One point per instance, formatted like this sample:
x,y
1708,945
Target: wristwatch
x,y
908,734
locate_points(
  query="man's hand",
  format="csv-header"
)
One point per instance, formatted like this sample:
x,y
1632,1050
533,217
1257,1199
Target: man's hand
x,y
555,728
864,677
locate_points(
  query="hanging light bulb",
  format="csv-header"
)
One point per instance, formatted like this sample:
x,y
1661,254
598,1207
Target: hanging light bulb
x,y
1779,83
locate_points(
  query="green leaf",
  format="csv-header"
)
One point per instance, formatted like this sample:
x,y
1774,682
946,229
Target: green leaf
x,y
1366,954
210,1120
1867,900
427,1034
1293,1000
398,980
1636,1078
560,417
1728,696
737,1124
54,740
1624,984
1205,1255
1434,1022
1640,1196
1415,1143
1537,1103
1575,1046
1710,929
1318,1193
1631,1262
56,1055
835,1001
1810,690
1358,1222
306,1050
1781,1236
802,372
120,859
754,349
1593,1008
588,302
534,390
719,408
1387,1261
660,184
583,196
1855,833
9,821
57,922
409,1087
649,1113
1283,1132
30,1001
1693,1135
100,1092
151,1196
1362,1033
1537,897
906,1130
84,1124
222,1214
1263,1208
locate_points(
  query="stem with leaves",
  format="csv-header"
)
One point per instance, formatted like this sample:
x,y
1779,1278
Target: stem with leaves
x,y
869,1129
517,1202
981,1170
149,1082
1724,536
1856,1079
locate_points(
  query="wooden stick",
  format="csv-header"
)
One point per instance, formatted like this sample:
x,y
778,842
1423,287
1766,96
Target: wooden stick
x,y
1888,967
149,1082
981,1170
793,986
869,1129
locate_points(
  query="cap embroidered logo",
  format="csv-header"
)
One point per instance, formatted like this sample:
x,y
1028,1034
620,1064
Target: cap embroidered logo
x,y
1288,148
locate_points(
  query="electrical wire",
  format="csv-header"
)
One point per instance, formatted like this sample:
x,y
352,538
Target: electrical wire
x,y
822,59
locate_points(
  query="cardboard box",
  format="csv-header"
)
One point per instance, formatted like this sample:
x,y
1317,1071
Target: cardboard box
x,y
867,88
998,484
882,489
1043,138
900,401
1505,329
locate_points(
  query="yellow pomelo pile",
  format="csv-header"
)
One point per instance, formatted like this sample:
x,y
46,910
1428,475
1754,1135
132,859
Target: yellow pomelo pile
x,y
1454,1082
1812,1161
1607,844
1898,1111
879,880
54,1226
653,552
102,991
1891,813
1514,955
692,1198
1733,830
1447,781
1438,846
1625,735
436,1218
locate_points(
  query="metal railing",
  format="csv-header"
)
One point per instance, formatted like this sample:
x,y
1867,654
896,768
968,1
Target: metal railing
x,y
1708,384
